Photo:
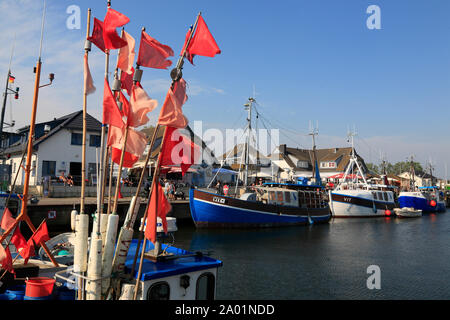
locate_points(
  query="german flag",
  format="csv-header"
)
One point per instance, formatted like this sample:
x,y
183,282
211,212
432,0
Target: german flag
x,y
11,79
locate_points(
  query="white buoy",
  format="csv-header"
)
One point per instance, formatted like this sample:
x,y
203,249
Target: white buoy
x,y
103,226
93,288
81,243
123,244
108,252
127,292
130,218
73,217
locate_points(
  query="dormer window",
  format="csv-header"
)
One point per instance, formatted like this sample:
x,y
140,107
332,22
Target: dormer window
x,y
302,164
328,165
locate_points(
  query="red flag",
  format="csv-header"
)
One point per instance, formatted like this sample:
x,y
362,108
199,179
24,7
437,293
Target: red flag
x,y
153,54
41,234
126,54
178,150
113,20
136,140
202,43
88,82
126,81
97,35
7,220
5,259
18,240
171,114
111,112
189,56
159,207
129,159
140,105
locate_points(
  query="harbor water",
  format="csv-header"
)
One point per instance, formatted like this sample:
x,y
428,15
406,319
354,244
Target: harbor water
x,y
330,261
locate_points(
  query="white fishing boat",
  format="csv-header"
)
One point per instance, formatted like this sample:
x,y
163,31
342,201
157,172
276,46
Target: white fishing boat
x,y
407,212
354,197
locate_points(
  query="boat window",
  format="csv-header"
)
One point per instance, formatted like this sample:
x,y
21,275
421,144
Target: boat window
x,y
386,196
205,287
272,195
159,291
279,196
287,196
374,195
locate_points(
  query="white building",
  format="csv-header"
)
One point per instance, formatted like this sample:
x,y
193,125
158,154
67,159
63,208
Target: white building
x,y
57,149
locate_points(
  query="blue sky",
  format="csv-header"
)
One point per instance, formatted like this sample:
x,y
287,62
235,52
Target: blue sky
x,y
307,60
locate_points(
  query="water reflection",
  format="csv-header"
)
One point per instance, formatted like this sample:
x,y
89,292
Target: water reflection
x,y
330,261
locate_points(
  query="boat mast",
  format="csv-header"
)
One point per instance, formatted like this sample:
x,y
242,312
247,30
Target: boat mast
x,y
412,182
313,133
248,106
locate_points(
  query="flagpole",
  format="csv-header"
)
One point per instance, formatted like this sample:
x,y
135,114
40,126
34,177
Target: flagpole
x,y
83,152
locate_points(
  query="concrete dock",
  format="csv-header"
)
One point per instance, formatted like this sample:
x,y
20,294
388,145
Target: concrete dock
x,y
58,211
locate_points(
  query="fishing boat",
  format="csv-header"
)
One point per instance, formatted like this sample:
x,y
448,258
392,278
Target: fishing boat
x,y
429,199
354,197
407,212
266,205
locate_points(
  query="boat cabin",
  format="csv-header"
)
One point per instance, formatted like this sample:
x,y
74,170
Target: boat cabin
x,y
304,198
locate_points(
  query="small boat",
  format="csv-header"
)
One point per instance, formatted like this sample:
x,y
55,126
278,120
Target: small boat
x,y
407,212
353,198
429,199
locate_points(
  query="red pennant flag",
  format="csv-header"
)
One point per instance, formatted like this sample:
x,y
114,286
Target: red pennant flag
x,y
202,43
171,114
18,240
41,234
113,20
153,54
88,82
140,105
7,220
136,141
111,112
126,54
5,259
97,35
129,159
126,81
159,207
178,150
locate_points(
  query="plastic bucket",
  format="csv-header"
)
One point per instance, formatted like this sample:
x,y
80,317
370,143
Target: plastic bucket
x,y
39,287
7,296
18,290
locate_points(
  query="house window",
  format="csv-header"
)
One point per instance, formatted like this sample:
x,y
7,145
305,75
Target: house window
x,y
77,139
94,141
327,164
205,287
159,291
48,168
302,164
